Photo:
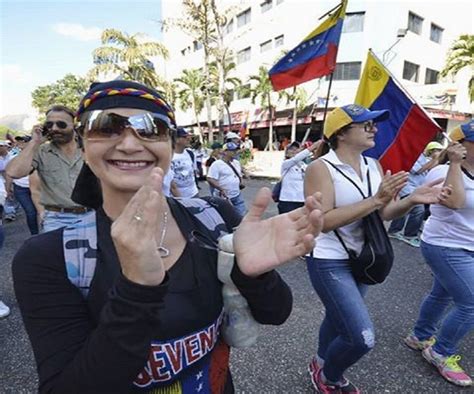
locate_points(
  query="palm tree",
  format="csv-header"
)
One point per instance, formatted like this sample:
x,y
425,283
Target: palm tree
x,y
129,56
230,84
299,98
191,94
262,89
460,55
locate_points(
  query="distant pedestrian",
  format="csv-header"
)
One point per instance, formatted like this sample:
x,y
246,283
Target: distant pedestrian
x,y
55,154
292,176
183,167
225,176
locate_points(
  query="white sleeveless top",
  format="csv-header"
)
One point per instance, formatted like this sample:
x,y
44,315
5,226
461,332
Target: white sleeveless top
x,y
327,244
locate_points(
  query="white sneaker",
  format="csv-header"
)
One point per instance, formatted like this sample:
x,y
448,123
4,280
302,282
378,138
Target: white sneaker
x,y
4,310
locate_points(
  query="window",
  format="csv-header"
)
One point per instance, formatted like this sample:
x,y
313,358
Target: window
x,y
197,46
265,6
229,27
431,76
185,51
243,18
410,71
243,92
279,41
415,23
243,55
266,46
279,1
436,33
353,22
347,71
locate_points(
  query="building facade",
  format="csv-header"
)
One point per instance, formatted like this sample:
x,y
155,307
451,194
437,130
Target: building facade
x,y
410,37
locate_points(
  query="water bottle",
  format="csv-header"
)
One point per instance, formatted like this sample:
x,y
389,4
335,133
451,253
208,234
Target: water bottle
x,y
239,328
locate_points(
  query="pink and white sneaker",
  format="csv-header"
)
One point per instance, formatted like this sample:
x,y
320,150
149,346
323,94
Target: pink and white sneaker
x,y
448,367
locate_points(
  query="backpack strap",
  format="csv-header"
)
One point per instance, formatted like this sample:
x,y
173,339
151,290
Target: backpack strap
x,y
360,191
351,181
206,213
80,251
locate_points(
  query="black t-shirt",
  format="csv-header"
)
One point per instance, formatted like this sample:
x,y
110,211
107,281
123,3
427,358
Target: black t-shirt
x,y
126,337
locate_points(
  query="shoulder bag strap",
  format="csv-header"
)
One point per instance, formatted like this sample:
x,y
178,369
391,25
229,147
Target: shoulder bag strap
x,y
233,169
358,188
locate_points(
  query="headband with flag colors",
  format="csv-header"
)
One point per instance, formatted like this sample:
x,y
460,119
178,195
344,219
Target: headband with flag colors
x,y
90,98
401,139
314,57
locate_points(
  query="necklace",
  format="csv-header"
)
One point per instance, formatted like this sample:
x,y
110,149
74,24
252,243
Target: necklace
x,y
164,252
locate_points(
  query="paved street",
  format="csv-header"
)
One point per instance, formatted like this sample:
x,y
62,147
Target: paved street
x,y
278,364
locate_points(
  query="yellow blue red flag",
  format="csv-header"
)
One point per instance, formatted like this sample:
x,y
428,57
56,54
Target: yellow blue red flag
x,y
313,57
401,139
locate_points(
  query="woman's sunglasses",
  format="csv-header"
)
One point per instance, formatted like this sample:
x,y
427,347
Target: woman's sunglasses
x,y
100,125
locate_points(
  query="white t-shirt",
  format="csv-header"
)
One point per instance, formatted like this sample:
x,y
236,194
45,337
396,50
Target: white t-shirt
x,y
167,183
182,167
453,228
226,177
292,177
328,245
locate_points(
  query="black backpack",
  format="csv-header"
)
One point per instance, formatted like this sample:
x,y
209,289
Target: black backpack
x,y
375,261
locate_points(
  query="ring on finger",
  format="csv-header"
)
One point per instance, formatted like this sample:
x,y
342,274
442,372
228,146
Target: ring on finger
x,y
138,218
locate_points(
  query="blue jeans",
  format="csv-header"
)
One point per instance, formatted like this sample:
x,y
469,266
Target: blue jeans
x,y
23,196
239,204
54,220
346,333
410,223
453,271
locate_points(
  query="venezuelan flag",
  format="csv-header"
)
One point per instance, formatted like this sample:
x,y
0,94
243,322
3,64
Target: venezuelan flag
x,y
313,57
401,139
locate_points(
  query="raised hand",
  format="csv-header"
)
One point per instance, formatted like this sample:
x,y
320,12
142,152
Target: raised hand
x,y
390,187
37,134
456,152
134,233
431,193
261,245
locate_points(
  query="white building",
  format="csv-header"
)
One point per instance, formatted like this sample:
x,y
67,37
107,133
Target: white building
x,y
412,38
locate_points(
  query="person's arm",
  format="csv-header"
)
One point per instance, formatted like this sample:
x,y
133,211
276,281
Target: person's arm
x,y
318,179
300,156
429,193
22,164
35,191
73,354
454,178
215,184
174,189
9,186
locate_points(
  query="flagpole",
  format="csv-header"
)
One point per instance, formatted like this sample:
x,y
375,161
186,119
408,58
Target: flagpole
x,y
401,86
326,105
327,98
331,10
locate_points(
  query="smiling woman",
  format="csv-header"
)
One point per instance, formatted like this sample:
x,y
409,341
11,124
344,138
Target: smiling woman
x,y
128,299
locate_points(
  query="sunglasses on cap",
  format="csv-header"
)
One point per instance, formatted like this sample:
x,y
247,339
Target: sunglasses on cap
x,y
49,125
100,125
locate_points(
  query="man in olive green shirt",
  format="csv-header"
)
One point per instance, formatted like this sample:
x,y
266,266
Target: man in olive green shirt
x,y
57,163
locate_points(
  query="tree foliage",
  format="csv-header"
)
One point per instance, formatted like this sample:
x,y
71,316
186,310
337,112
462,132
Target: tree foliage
x,y
190,87
67,91
129,56
261,89
460,55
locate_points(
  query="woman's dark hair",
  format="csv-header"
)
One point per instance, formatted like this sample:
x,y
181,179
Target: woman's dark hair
x,y
332,142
